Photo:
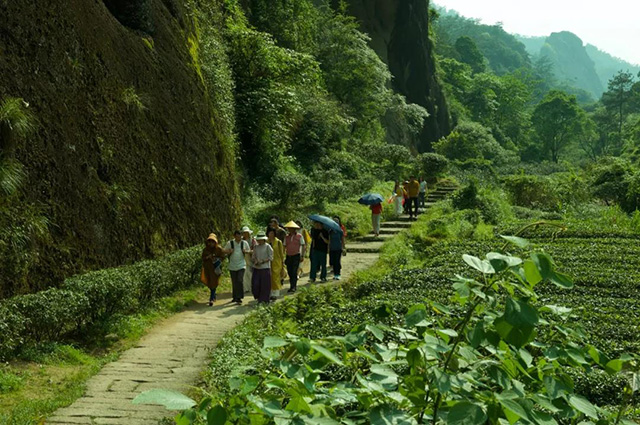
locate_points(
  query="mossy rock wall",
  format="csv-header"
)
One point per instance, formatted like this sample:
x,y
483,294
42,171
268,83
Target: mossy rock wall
x,y
131,157
399,31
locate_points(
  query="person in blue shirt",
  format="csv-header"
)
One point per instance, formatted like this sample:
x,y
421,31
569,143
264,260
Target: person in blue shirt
x,y
336,249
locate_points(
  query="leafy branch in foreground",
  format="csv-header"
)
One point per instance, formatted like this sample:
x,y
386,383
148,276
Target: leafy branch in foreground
x,y
496,356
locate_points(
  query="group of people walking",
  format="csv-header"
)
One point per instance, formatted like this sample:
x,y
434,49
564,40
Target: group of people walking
x,y
260,264
407,198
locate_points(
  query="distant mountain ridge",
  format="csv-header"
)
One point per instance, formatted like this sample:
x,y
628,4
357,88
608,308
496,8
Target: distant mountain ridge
x,y
580,69
605,65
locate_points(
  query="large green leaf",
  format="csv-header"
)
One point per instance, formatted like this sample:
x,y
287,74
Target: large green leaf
x,y
303,346
507,259
482,266
417,316
217,415
583,405
388,415
274,342
531,273
465,413
561,280
517,241
325,352
520,313
172,400
516,336
376,331
513,411
614,366
298,404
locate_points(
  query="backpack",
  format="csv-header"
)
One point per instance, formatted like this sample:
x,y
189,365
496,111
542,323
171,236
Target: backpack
x,y
233,246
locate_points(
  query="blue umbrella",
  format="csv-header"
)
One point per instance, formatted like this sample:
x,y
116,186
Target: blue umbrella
x,y
326,221
371,199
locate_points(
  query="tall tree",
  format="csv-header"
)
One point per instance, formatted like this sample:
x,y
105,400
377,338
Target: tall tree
x,y
558,121
470,54
617,99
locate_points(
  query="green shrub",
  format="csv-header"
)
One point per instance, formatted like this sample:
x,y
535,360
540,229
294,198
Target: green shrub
x,y
288,187
109,291
12,328
610,180
474,169
88,302
488,201
432,166
532,192
50,314
471,140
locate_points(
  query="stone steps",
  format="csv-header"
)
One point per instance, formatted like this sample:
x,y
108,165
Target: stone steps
x,y
395,224
391,230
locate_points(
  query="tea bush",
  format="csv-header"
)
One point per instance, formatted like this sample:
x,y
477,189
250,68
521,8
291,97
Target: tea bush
x,y
492,357
87,302
532,191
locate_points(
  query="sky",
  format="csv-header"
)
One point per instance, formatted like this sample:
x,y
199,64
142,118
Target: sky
x,y
610,25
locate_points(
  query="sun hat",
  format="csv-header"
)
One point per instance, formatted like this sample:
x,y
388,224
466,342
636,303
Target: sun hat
x,y
213,237
246,229
291,225
261,236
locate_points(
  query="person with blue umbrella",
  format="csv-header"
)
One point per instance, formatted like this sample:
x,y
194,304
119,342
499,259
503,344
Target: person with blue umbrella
x,y
374,201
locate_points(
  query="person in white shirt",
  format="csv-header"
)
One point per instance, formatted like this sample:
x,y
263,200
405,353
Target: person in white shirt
x,y
247,236
236,249
262,258
423,192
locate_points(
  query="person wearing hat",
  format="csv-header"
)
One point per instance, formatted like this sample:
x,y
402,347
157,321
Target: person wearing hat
x,y
212,256
295,247
236,250
261,279
277,264
274,223
248,273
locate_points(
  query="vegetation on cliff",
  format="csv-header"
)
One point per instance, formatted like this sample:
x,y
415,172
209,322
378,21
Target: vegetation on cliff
x,y
175,107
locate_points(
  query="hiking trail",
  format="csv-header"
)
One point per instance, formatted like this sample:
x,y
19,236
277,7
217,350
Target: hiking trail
x,y
176,351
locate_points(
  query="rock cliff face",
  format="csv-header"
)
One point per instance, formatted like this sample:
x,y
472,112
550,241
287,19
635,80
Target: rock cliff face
x,y
128,159
572,62
399,31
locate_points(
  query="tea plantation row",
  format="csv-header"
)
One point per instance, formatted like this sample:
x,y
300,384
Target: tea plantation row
x,y
85,303
605,300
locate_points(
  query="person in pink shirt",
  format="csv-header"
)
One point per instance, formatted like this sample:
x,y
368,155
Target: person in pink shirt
x,y
295,249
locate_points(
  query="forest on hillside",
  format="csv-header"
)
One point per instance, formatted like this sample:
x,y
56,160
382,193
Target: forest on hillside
x,y
513,301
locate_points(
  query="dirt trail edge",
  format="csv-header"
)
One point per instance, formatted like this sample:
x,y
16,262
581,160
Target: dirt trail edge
x,y
174,353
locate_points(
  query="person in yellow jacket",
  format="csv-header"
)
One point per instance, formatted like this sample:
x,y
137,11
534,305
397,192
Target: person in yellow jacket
x,y
413,190
277,264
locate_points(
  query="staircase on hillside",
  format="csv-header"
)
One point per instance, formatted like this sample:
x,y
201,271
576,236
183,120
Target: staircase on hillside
x,y
372,245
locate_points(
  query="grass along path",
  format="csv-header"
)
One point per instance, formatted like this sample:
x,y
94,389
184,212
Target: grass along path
x,y
175,352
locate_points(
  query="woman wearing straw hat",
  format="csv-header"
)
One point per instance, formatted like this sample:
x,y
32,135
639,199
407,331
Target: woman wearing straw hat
x,y
248,238
261,280
212,256
295,247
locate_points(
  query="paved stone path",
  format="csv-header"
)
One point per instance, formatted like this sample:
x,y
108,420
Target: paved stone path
x,y
174,353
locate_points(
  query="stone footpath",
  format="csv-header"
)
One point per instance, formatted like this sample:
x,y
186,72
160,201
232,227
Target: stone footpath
x,y
175,352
